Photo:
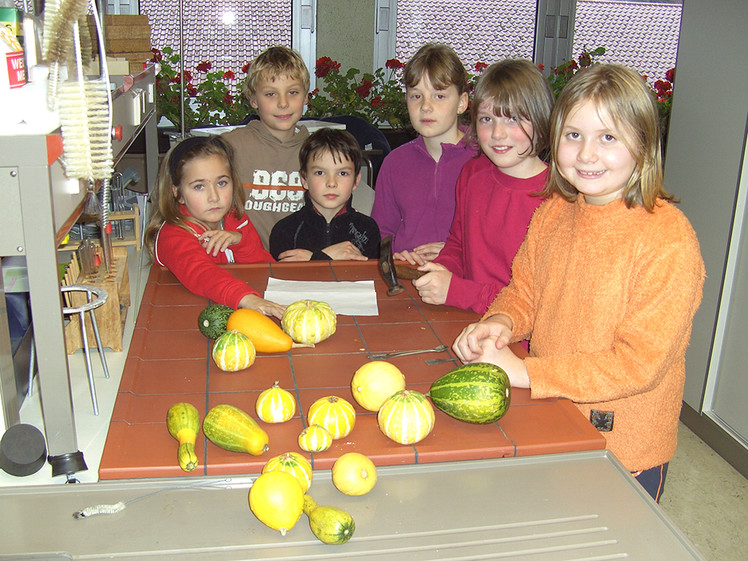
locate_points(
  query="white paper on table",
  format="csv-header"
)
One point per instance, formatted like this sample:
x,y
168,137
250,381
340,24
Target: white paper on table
x,y
348,298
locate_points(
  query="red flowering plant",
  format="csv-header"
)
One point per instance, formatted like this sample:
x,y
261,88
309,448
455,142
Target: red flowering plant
x,y
379,97
210,96
662,90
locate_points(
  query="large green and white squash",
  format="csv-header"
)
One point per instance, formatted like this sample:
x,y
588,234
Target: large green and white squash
x,y
478,393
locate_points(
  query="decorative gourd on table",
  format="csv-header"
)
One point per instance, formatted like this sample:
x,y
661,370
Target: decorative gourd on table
x,y
476,393
406,417
275,405
265,334
213,319
329,524
309,321
374,382
277,500
230,428
183,422
293,463
354,474
333,413
233,351
315,438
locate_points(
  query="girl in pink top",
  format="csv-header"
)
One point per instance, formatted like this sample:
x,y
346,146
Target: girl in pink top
x,y
497,192
197,224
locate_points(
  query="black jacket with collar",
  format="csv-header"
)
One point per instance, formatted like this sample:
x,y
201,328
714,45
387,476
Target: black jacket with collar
x,y
308,229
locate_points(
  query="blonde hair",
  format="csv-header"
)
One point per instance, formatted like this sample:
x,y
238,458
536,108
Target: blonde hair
x,y
518,89
166,207
630,105
440,63
272,63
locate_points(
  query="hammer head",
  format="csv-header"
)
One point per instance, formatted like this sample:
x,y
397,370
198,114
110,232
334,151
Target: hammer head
x,y
387,267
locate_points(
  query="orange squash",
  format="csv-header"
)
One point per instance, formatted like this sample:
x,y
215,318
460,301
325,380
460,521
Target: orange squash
x,y
266,335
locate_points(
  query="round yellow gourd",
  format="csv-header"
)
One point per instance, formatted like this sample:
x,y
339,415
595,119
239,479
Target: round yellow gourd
x,y
406,417
374,382
354,474
277,500
293,463
333,413
275,405
315,438
233,351
309,321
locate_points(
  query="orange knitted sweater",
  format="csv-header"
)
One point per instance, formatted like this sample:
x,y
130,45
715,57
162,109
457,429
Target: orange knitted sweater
x,y
606,295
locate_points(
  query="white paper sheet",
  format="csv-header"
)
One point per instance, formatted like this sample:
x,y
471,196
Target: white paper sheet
x,y
348,298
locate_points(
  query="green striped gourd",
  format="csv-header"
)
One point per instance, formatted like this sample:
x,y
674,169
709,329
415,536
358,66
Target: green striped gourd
x,y
309,321
477,393
406,417
233,351
213,319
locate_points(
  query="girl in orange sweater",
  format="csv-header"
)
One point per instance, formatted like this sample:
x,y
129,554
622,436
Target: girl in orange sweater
x,y
608,279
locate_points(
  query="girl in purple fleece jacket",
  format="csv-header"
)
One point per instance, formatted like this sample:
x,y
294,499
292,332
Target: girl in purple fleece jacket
x,y
414,199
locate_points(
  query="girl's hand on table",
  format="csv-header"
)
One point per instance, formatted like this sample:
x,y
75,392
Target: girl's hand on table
x,y
420,255
469,343
434,285
215,241
254,302
505,358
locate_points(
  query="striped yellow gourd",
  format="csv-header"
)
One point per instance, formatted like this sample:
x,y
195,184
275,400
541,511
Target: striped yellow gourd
x,y
275,405
293,463
309,321
406,417
233,351
315,438
333,413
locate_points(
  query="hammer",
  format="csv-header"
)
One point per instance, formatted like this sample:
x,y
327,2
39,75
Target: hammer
x,y
391,272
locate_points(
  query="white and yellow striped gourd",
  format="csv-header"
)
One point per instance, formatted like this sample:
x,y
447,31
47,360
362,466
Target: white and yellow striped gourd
x,y
309,321
233,351
275,405
293,463
315,438
406,417
333,413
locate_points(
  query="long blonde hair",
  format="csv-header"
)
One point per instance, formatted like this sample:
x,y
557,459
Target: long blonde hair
x,y
624,95
166,207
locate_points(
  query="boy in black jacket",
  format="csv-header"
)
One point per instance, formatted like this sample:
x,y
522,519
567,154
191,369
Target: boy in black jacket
x,y
327,227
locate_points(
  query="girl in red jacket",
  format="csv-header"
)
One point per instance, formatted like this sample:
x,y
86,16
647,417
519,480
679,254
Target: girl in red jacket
x,y
198,224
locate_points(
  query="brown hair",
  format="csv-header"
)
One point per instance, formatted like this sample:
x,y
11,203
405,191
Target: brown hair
x,y
272,63
165,207
518,89
630,105
339,143
440,63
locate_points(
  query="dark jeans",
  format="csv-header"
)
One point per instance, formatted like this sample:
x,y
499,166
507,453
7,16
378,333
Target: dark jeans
x,y
653,480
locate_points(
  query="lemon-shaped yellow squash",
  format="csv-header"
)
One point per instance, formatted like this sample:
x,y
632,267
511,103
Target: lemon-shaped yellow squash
x,y
329,524
406,417
183,422
275,405
333,413
233,351
293,463
276,499
230,428
374,382
315,438
354,474
309,321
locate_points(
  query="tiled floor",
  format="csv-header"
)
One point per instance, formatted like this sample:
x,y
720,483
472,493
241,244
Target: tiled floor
x,y
705,496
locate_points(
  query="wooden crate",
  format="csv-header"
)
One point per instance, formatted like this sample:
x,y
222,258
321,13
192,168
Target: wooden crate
x,y
111,316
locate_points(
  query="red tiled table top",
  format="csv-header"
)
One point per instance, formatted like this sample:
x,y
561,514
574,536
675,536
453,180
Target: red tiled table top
x,y
169,361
